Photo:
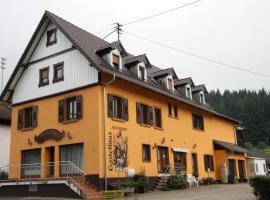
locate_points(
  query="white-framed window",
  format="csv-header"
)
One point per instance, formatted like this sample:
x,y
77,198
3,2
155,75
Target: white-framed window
x,y
141,72
188,92
170,84
202,97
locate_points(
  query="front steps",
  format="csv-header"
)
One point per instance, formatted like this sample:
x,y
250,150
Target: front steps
x,y
162,183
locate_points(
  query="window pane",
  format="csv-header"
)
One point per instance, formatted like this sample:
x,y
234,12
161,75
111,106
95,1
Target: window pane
x,y
157,117
31,157
71,108
28,116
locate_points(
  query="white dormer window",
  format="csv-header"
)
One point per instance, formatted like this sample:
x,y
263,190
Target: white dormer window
x,y
170,84
188,92
202,97
141,72
116,61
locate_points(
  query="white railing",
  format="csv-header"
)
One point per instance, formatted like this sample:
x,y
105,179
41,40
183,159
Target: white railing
x,y
46,171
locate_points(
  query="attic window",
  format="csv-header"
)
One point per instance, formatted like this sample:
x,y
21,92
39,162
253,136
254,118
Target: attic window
x,y
170,84
116,61
51,37
141,72
202,98
188,92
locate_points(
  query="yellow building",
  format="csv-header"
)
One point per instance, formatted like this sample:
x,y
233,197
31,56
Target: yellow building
x,y
78,98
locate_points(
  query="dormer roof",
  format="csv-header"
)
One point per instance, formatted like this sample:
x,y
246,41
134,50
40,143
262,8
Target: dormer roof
x,y
184,81
164,72
111,46
137,59
199,88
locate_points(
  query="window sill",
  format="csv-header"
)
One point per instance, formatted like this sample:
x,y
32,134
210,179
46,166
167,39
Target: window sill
x,y
43,84
170,116
70,121
27,129
145,125
58,80
200,130
158,128
146,161
118,119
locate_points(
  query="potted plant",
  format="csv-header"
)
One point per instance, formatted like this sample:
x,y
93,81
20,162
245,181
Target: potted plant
x,y
141,182
126,185
208,181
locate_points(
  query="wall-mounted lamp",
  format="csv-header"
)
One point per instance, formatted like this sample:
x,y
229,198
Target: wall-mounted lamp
x,y
155,145
29,141
163,140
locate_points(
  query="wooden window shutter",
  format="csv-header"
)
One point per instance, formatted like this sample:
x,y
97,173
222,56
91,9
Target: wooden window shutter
x,y
125,107
150,111
138,109
170,109
61,110
110,105
79,106
20,119
205,163
212,163
34,113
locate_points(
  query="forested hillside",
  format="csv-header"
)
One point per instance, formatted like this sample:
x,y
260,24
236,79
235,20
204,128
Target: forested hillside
x,y
250,107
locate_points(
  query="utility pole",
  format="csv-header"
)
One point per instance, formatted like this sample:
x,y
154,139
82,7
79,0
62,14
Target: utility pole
x,y
3,64
118,30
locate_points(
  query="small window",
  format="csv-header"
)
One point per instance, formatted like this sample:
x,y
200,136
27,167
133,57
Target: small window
x,y
188,93
117,107
70,108
170,84
170,110
44,76
141,72
146,153
116,61
51,37
208,163
175,111
27,118
202,98
157,119
257,170
58,73
144,114
197,121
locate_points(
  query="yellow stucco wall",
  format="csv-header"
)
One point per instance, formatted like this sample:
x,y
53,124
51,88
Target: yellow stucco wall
x,y
83,131
177,133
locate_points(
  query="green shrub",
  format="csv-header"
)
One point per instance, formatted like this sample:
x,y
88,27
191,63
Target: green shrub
x,y
208,181
261,185
177,181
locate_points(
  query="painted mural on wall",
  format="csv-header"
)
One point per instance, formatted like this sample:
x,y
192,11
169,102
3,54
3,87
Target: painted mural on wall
x,y
118,149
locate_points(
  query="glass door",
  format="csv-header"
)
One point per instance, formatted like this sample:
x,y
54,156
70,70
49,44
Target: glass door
x,y
162,159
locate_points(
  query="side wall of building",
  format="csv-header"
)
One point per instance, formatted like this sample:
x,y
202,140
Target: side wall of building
x,y
4,144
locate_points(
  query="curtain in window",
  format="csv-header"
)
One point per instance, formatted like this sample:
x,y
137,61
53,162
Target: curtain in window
x,y
73,153
32,157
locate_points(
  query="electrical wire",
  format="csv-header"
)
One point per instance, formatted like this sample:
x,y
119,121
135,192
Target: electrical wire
x,y
198,56
161,13
109,34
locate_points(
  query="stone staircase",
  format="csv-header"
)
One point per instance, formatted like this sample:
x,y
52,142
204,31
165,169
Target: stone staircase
x,y
161,183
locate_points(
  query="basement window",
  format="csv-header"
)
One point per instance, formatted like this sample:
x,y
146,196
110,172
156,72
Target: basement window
x,y
51,37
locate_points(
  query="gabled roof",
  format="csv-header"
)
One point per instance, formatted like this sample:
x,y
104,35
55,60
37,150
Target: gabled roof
x,y
164,72
199,88
137,59
87,44
229,146
111,46
184,81
5,113
259,154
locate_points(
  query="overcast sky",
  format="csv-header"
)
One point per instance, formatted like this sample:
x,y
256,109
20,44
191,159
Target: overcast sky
x,y
235,32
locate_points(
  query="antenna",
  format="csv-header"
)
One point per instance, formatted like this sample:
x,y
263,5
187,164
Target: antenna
x,y
3,64
118,29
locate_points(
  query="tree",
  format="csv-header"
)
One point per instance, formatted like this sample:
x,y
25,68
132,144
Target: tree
x,y
248,145
261,145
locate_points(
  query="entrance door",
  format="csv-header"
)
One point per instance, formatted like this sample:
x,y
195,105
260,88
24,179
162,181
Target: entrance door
x,y
50,160
180,162
162,159
241,169
231,167
194,165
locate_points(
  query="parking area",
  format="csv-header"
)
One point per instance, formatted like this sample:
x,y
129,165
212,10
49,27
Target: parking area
x,y
214,192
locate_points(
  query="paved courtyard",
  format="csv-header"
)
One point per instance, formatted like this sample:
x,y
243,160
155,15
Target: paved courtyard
x,y
214,192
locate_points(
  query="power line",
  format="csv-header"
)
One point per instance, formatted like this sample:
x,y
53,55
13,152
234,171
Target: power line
x,y
198,56
161,13
109,34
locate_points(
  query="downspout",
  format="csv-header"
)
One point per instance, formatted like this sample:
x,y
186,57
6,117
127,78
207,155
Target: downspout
x,y
104,129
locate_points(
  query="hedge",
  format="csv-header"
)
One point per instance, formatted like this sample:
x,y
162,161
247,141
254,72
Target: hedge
x,y
261,185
